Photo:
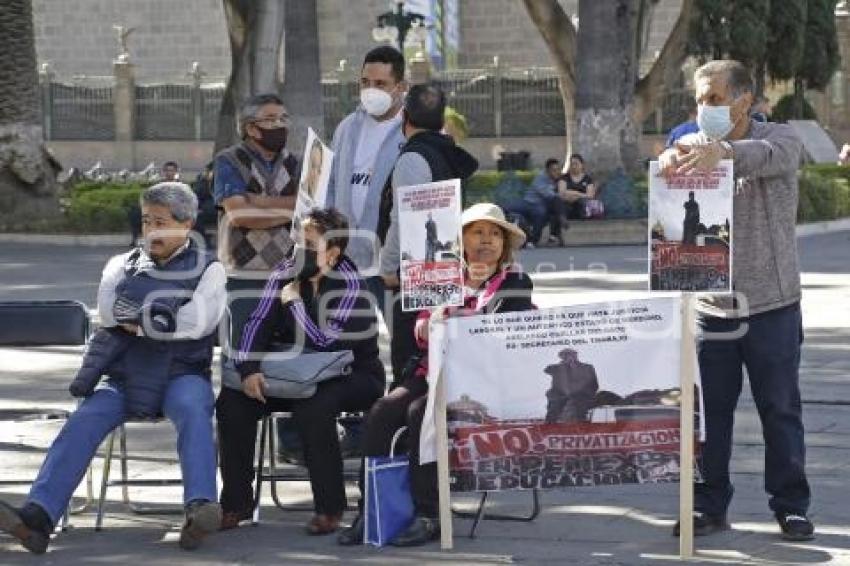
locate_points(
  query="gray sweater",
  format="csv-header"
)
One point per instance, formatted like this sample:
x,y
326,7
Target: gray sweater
x,y
765,273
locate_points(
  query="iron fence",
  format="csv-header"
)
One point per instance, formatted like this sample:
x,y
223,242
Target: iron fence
x,y
496,102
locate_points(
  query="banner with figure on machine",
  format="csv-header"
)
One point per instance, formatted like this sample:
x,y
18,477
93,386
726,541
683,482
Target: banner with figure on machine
x,y
569,396
690,231
313,184
430,244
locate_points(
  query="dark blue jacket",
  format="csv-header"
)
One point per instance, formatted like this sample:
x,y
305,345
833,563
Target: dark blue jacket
x,y
143,365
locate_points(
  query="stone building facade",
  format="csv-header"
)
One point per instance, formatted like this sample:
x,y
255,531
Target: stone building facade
x,y
77,36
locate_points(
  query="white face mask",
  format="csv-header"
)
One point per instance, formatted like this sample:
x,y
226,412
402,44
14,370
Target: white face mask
x,y
376,101
714,121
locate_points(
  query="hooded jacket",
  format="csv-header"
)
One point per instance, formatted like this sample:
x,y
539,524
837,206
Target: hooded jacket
x,y
360,249
428,156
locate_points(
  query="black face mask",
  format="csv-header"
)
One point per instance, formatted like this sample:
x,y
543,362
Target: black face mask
x,y
273,139
306,261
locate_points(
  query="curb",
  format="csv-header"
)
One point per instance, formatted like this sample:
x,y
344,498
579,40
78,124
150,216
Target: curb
x,y
826,227
67,239
803,230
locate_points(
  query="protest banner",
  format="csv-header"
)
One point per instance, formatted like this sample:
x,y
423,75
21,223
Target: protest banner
x,y
563,397
690,230
583,395
313,184
430,245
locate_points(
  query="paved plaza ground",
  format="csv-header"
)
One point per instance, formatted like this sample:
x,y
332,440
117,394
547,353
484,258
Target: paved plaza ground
x,y
611,525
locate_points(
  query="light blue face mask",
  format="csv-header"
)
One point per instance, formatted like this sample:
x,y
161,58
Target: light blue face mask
x,y
714,121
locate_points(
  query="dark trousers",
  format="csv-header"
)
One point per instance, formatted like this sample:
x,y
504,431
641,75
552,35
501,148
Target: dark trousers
x,y
403,406
315,420
243,296
402,341
557,214
770,349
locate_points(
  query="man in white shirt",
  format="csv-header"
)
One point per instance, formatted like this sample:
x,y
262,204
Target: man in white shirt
x,y
168,265
366,145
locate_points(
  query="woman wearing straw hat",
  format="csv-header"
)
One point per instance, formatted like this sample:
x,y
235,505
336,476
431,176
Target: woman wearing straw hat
x,y
491,284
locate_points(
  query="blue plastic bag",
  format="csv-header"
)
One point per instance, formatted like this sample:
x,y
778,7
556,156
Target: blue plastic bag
x,y
389,506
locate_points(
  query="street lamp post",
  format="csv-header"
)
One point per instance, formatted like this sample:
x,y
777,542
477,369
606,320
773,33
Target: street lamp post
x,y
394,26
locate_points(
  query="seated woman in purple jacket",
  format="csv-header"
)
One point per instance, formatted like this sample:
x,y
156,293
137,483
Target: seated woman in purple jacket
x,y
316,300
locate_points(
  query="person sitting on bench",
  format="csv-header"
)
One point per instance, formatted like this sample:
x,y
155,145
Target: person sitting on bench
x,y
184,356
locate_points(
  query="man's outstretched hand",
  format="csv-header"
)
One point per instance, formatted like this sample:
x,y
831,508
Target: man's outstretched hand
x,y
685,159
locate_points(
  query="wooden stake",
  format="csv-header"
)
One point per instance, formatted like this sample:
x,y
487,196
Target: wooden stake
x,y
443,465
686,449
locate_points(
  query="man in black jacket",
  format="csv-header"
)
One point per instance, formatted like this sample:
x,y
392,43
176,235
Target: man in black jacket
x,y
427,156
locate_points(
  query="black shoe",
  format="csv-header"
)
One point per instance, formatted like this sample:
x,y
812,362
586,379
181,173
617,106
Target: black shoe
x,y
421,531
30,528
705,524
353,534
795,526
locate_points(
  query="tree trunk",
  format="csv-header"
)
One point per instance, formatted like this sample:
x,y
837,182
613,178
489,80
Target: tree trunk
x,y
667,68
274,48
302,85
28,183
606,133
799,99
256,44
559,33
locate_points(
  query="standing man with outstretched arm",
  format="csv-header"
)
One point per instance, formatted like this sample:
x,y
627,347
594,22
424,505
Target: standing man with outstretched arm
x,y
759,326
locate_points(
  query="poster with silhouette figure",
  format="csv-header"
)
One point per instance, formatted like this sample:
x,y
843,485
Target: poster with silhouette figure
x,y
690,230
430,245
561,397
313,184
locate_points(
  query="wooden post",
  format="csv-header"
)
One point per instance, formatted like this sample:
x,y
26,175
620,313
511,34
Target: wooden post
x,y
686,449
443,465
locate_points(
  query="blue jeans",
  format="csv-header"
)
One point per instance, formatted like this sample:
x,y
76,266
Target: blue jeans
x,y
770,349
188,404
535,215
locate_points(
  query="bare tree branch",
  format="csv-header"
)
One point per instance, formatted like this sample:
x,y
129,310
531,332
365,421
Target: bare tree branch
x,y
666,69
559,33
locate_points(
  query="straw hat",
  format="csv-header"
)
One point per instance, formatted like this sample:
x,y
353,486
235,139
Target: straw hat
x,y
490,212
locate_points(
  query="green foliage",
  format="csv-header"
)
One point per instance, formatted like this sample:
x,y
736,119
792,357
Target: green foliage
x,y
94,207
789,39
783,110
787,29
824,193
709,36
821,57
748,31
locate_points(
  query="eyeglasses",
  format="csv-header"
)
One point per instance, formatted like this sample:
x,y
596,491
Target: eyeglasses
x,y
274,121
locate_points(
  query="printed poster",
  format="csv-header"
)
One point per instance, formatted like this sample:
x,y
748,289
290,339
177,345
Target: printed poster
x,y
430,245
570,396
313,184
690,230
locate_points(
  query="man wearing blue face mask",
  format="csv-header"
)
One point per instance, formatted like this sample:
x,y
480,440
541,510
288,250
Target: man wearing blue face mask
x,y
366,145
759,326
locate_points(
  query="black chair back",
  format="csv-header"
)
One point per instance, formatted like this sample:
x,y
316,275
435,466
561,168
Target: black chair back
x,y
44,323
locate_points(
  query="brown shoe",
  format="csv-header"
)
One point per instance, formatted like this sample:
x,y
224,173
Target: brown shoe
x,y
202,518
231,519
322,524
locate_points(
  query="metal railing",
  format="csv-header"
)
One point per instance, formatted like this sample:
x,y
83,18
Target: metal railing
x,y
495,101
